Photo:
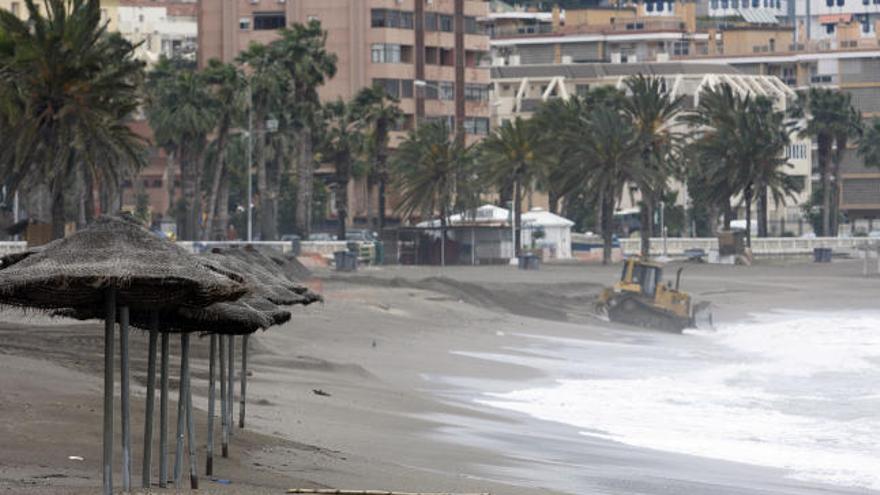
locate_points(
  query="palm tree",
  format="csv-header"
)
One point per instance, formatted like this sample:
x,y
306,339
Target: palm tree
x,y
228,85
512,159
426,169
182,113
715,146
68,89
869,144
301,51
381,113
653,111
830,121
608,146
342,145
553,119
269,86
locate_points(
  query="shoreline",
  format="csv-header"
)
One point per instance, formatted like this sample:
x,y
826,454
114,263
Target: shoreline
x,y
399,350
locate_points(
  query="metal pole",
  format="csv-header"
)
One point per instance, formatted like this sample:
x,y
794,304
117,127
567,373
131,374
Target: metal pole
x,y
230,387
663,226
224,418
109,328
163,413
513,223
190,426
15,212
442,246
209,455
473,246
126,398
250,151
181,412
146,470
244,345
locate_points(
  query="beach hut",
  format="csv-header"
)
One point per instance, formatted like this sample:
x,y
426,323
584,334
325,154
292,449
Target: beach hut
x,y
555,233
111,268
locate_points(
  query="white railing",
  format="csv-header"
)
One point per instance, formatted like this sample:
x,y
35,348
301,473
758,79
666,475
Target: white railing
x,y
203,246
12,247
767,246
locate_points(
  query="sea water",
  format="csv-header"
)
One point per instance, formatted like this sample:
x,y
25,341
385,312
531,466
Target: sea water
x,y
797,391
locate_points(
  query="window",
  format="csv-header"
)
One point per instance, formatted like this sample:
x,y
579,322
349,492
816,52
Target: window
x,y
447,24
391,86
430,21
470,25
735,4
582,90
680,48
406,88
14,8
244,23
446,90
725,4
386,18
841,3
866,2
714,4
385,54
756,4
476,125
476,92
659,6
829,3
829,28
447,120
649,6
269,21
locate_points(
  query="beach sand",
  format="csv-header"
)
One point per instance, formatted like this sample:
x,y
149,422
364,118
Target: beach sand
x,y
387,351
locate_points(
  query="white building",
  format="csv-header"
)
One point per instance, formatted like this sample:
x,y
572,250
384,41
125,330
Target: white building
x,y
169,30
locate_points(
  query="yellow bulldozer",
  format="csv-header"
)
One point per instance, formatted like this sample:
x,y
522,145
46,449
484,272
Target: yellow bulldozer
x,y
640,298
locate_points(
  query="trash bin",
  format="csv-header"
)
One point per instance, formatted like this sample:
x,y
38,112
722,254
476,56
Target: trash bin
x,y
822,255
529,262
346,261
380,253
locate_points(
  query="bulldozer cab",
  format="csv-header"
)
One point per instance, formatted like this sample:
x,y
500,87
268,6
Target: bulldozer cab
x,y
640,277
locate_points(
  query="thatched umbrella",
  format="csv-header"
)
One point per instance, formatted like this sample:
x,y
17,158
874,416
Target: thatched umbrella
x,y
114,263
261,267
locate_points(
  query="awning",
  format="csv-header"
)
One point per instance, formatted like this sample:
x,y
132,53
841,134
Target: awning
x,y
835,18
758,16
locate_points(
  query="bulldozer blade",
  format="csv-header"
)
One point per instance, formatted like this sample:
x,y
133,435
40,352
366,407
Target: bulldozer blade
x,y
702,319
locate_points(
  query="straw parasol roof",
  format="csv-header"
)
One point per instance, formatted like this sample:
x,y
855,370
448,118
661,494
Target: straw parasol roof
x,y
265,270
147,272
245,316
259,281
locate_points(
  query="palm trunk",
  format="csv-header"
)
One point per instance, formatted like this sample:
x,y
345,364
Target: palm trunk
x,y
443,224
382,168
89,185
553,200
259,157
747,197
81,198
381,203
58,216
221,220
606,209
187,200
762,212
171,181
727,213
835,186
647,219
276,177
219,171
824,145
342,200
517,217
305,186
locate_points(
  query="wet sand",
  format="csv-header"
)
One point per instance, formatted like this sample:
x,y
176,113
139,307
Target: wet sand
x,y
395,349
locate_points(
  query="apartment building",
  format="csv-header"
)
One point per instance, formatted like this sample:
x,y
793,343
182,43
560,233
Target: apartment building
x,y
518,91
430,54
756,37
161,27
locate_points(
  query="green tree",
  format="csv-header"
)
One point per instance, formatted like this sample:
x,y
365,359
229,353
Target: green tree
x,y
512,159
381,113
68,88
831,121
228,90
302,53
653,111
553,119
342,146
426,169
183,112
608,145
